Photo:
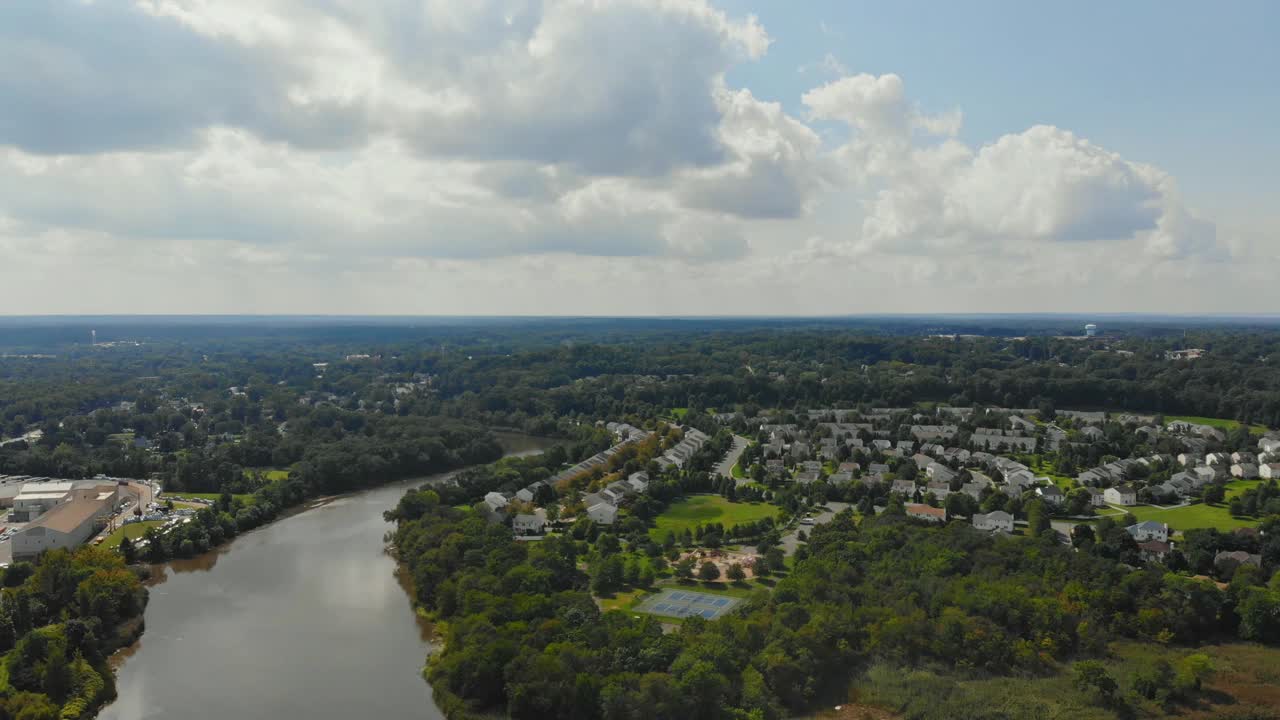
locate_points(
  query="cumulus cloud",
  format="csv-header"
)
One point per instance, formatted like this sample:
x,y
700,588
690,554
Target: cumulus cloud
x,y
1043,184
347,138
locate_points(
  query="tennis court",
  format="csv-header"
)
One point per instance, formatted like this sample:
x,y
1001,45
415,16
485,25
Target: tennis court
x,y
687,603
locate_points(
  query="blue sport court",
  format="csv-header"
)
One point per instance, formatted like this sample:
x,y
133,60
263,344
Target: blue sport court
x,y
687,603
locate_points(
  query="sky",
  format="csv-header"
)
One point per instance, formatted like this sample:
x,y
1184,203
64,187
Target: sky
x,y
638,157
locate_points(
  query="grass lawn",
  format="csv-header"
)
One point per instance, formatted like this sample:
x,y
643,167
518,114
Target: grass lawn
x,y
269,474
211,497
1245,685
133,531
1237,487
737,472
1192,517
701,509
1219,423
679,413
1050,471
622,600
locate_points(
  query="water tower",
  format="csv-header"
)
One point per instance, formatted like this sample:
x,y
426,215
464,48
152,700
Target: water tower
x,y
1090,330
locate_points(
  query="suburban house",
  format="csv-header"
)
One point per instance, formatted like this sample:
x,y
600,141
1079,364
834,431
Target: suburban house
x,y
1270,471
1092,434
973,490
530,524
1269,444
496,501
925,512
997,520
1217,458
1096,497
639,481
1206,473
1051,494
939,472
903,487
603,514
1244,456
1244,471
808,476
529,493
1239,557
1121,495
1154,550
1021,424
940,490
1149,530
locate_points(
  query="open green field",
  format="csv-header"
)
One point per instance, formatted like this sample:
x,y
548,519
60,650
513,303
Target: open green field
x,y
701,509
211,497
1219,423
1192,517
1245,684
269,474
133,531
1237,487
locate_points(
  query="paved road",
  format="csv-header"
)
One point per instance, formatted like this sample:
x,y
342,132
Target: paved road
x,y
791,541
725,468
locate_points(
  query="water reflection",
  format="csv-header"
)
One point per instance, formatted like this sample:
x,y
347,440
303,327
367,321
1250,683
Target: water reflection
x,y
307,617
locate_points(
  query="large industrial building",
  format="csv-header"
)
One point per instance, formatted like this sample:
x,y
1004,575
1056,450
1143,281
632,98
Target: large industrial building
x,y
60,513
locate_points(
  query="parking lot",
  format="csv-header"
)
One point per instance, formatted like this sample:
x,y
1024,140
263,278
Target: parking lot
x,y
687,603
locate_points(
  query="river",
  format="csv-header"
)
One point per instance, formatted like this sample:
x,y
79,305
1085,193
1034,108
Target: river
x,y
301,618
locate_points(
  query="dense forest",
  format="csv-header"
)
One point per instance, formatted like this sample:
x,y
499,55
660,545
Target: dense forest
x,y
59,621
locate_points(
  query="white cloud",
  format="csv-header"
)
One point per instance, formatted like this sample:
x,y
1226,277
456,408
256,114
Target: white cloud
x,y
510,154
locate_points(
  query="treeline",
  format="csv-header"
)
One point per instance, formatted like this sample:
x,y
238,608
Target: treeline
x,y
60,620
524,637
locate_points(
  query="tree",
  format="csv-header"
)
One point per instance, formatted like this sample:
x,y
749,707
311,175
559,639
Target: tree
x,y
1082,535
736,573
1037,517
128,551
684,569
709,571
1215,494
1092,675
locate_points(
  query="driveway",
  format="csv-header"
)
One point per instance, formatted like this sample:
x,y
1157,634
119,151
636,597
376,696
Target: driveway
x,y
791,540
725,468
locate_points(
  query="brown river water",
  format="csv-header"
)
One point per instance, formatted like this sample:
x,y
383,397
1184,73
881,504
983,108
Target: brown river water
x,y
304,618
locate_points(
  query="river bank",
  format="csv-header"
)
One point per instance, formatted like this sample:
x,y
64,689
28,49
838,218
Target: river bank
x,y
305,616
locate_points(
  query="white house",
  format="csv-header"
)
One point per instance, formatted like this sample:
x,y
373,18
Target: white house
x,y
995,520
603,514
1051,494
1269,444
1217,458
903,487
1270,471
1097,498
639,481
1149,530
1121,495
496,501
1244,471
530,524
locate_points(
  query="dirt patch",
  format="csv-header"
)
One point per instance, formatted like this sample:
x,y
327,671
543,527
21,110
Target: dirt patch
x,y
855,711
